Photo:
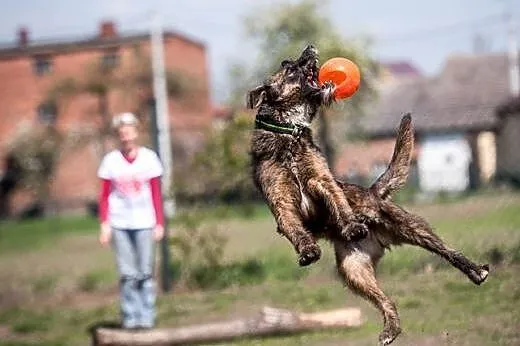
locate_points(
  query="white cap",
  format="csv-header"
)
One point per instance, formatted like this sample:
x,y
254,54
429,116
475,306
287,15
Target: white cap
x,y
126,118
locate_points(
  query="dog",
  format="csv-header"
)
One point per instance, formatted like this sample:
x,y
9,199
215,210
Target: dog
x,y
288,170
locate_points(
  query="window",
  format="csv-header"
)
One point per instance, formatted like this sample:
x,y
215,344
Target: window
x,y
47,113
42,65
110,60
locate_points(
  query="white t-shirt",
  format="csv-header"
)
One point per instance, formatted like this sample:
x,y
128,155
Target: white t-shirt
x,y
130,204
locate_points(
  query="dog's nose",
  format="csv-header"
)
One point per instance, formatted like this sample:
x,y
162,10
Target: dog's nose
x,y
311,48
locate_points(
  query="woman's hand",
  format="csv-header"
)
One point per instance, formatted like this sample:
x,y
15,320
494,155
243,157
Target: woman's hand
x,y
158,232
105,234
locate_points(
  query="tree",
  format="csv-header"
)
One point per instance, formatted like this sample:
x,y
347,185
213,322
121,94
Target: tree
x,y
221,170
34,153
282,31
8,183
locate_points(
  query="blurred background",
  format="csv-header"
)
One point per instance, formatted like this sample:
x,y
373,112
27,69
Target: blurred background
x,y
66,67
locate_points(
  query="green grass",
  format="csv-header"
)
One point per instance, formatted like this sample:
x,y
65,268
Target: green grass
x,y
29,235
94,280
437,304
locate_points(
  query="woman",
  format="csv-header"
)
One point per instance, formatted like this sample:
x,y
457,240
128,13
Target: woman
x,y
130,211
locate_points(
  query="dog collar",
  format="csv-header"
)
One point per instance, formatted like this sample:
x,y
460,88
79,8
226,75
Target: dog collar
x,y
295,130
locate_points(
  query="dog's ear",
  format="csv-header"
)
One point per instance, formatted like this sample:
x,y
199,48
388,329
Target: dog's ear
x,y
255,97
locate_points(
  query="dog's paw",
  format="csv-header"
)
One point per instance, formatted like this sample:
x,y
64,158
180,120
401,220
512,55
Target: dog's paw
x,y
479,276
354,231
327,92
309,254
388,335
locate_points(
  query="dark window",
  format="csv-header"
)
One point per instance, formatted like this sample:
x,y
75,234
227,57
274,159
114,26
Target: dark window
x,y
42,65
110,60
47,113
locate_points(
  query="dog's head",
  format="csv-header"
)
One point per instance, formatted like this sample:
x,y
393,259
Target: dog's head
x,y
294,84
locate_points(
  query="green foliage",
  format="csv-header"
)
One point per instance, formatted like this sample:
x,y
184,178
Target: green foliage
x,y
238,273
199,258
94,280
22,236
44,284
282,30
197,247
37,150
33,323
221,170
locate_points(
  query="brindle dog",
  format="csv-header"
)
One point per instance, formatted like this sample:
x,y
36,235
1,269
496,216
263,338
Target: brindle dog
x,y
307,202
289,169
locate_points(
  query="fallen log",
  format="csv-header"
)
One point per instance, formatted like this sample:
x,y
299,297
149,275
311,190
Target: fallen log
x,y
270,321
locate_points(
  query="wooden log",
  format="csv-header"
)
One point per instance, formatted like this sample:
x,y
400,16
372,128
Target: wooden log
x,y
271,321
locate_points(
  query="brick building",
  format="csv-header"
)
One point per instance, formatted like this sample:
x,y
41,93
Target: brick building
x,y
29,70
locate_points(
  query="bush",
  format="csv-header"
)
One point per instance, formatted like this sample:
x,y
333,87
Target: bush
x,y
199,263
221,170
246,272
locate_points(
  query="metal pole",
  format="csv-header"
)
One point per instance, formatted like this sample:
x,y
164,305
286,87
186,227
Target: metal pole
x,y
514,70
161,136
161,102
166,275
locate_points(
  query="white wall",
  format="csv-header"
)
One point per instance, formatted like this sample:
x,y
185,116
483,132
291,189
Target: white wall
x,y
443,163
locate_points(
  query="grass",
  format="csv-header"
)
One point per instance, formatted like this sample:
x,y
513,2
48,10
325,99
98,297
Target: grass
x,y
29,235
437,304
94,280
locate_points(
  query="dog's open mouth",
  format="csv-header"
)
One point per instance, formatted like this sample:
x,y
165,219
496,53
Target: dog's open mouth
x,y
312,77
308,61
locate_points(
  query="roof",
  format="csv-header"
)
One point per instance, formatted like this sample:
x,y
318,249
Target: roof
x,y
399,68
511,106
464,96
43,47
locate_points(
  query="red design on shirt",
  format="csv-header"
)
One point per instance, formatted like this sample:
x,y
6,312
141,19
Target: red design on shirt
x,y
155,187
128,186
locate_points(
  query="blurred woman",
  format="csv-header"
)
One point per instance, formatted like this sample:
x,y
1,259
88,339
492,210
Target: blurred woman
x,y
130,212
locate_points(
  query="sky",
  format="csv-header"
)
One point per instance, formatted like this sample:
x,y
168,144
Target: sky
x,y
422,32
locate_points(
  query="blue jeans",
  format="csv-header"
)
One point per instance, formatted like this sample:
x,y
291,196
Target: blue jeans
x,y
134,250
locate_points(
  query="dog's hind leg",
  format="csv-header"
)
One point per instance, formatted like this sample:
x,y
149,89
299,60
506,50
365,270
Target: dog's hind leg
x,y
414,230
357,268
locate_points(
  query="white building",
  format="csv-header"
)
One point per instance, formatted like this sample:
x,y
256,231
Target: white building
x,y
454,117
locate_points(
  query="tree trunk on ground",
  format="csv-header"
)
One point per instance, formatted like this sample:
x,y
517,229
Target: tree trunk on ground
x,y
271,321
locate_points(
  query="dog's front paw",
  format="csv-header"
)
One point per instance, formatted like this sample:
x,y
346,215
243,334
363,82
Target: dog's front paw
x,y
354,231
309,254
478,277
327,92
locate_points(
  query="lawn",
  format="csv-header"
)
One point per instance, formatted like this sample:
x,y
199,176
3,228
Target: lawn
x,y
56,280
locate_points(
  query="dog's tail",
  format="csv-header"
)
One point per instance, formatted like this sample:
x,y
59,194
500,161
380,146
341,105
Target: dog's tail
x,y
396,174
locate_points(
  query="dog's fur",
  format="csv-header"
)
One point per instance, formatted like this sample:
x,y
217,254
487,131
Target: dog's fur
x,y
308,203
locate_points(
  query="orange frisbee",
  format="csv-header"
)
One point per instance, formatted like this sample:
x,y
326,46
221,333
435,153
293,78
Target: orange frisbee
x,y
343,73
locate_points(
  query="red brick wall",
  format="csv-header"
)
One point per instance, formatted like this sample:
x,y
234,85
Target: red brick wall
x,y
21,91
